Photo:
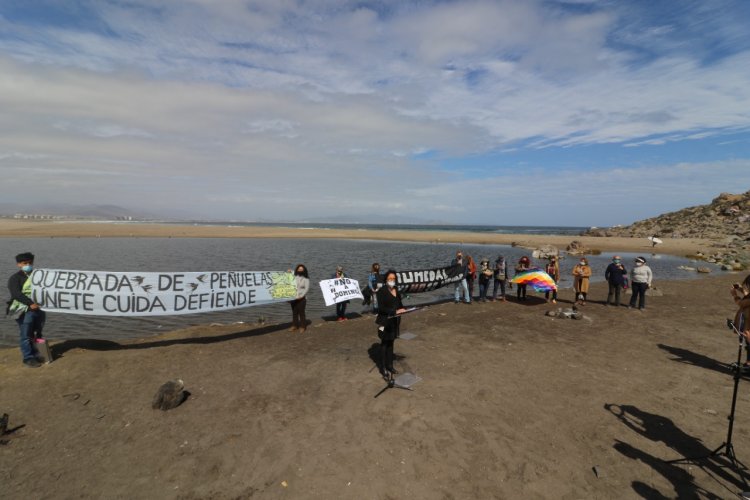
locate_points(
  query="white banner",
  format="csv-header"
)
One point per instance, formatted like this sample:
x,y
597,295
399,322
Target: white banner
x,y
340,290
105,293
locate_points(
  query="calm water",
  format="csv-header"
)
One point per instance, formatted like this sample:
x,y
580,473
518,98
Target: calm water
x,y
220,254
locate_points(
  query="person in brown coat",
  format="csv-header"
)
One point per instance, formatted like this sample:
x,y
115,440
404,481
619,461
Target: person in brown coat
x,y
581,276
741,295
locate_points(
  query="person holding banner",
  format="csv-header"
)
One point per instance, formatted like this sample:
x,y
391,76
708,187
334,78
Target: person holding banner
x,y
340,306
29,316
302,281
389,307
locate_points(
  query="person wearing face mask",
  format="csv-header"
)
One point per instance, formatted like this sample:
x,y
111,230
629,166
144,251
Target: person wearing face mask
x,y
485,275
340,306
581,276
462,286
374,281
524,264
389,307
640,281
29,315
302,280
553,269
615,275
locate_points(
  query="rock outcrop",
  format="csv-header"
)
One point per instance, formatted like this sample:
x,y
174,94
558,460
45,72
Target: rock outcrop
x,y
725,220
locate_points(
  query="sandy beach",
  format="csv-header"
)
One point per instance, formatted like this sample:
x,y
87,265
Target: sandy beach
x,y
37,229
512,404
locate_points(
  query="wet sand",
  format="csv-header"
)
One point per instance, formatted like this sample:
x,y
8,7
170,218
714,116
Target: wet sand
x,y
513,404
15,228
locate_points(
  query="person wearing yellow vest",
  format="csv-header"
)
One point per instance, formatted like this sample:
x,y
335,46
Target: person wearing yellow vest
x,y
28,314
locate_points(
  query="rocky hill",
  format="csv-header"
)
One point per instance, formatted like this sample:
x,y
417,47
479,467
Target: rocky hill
x,y
726,220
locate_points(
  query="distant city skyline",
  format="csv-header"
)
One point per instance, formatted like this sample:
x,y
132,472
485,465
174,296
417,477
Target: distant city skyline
x,y
541,112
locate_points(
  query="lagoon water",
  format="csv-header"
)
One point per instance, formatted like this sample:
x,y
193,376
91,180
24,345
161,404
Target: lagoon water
x,y
321,256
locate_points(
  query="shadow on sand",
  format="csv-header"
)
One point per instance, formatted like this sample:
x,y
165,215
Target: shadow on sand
x,y
661,429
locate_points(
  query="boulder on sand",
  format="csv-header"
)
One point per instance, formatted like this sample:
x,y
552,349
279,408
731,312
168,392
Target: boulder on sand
x,y
545,252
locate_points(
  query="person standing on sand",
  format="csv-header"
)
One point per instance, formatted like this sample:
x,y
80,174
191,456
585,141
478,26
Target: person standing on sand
x,y
500,277
615,275
524,264
374,281
471,275
461,286
340,306
390,306
485,275
302,280
28,314
581,276
553,269
640,281
741,295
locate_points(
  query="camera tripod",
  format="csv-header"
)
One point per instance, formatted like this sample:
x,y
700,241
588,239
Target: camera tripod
x,y
391,385
726,449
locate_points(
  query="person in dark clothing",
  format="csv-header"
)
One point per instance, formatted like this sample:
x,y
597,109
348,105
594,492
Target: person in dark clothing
x,y
524,264
340,306
389,307
302,282
615,276
29,315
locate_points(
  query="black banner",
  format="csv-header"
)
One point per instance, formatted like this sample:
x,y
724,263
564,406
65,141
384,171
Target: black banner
x,y
427,280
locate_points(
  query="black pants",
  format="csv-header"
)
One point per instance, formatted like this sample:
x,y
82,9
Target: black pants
x,y
386,354
298,313
341,309
639,293
614,291
521,292
554,295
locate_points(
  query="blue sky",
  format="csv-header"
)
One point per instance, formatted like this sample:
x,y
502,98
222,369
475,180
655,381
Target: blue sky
x,y
558,112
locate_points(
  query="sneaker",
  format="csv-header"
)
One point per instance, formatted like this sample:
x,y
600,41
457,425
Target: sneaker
x,y
554,301
32,363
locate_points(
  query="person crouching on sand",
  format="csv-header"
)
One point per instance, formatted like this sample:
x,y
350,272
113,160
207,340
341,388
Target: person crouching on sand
x,y
581,276
302,280
553,269
389,306
741,295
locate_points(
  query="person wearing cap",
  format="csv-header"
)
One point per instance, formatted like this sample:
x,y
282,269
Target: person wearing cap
x,y
29,315
500,278
340,306
581,277
640,281
553,269
615,275
485,275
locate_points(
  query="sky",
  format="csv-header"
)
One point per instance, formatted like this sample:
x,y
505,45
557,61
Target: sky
x,y
533,112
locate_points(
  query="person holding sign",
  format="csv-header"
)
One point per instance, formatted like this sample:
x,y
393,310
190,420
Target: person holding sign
x,y
302,281
340,306
389,307
28,314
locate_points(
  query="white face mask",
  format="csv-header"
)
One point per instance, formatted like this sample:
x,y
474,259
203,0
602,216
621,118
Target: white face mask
x,y
391,283
582,263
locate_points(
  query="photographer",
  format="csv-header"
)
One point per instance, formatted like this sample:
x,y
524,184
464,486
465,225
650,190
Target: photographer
x,y
741,296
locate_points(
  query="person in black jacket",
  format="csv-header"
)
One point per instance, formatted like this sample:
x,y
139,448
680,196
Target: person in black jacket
x,y
615,276
28,314
389,306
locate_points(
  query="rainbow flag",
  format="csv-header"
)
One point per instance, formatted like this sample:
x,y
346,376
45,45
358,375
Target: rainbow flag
x,y
538,279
